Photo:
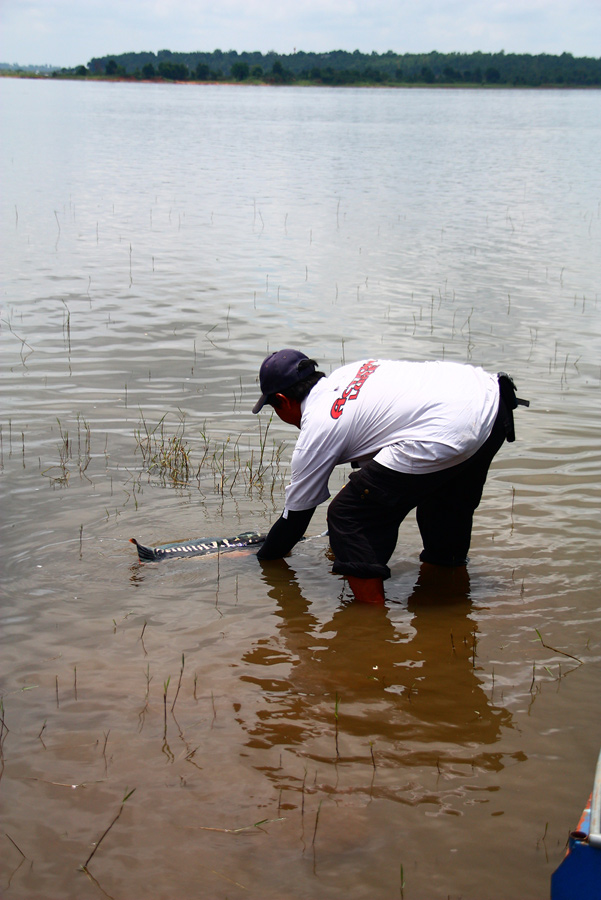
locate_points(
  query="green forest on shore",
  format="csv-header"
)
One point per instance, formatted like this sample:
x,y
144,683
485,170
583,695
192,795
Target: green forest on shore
x,y
341,67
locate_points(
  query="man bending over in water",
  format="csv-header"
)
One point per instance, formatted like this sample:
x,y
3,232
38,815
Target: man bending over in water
x,y
421,435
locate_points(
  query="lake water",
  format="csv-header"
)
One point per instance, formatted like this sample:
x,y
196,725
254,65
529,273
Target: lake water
x,y
158,241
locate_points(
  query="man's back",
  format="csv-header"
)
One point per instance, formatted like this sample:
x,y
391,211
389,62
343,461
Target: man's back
x,y
413,417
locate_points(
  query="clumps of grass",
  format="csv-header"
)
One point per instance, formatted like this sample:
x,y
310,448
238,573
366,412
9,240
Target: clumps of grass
x,y
74,453
173,460
169,455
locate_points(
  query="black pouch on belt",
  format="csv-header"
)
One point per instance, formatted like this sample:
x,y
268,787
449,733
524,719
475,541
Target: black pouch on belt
x,y
511,401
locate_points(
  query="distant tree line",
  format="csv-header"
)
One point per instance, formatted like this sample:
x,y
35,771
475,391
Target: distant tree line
x,y
16,69
341,67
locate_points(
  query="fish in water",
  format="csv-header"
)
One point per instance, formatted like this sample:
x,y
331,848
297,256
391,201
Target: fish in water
x,y
198,547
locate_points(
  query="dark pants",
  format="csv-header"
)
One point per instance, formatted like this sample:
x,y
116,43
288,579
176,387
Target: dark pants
x,y
364,517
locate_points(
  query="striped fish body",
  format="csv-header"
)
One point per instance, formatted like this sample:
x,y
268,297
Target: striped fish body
x,y
198,547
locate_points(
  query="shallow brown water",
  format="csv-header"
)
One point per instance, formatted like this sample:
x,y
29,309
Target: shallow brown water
x,y
159,240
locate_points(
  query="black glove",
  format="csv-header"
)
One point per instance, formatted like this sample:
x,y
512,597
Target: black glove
x,y
285,533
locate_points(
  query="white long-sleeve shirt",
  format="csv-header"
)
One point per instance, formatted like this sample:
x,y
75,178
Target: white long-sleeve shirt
x,y
413,417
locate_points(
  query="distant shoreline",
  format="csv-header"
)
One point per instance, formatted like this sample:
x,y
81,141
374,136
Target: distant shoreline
x,y
335,68
473,86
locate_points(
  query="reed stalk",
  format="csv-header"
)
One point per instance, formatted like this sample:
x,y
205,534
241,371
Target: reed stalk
x,y
316,823
84,868
179,683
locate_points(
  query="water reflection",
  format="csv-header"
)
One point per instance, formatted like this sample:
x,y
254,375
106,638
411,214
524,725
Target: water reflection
x,y
412,690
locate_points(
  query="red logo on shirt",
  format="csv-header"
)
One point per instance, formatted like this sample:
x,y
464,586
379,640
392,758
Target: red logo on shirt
x,y
352,391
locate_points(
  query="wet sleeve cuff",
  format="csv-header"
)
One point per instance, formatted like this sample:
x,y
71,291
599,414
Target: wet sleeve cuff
x,y
285,533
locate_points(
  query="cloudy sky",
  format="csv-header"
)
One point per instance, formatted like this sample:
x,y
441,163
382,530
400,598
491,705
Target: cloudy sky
x,y
69,32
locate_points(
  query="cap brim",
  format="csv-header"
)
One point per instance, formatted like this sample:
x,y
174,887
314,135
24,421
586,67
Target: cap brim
x,y
260,404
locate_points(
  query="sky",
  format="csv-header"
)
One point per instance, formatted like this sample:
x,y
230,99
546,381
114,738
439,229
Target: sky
x,y
71,32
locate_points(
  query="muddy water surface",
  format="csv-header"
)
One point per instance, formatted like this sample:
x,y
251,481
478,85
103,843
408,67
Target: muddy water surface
x,y
281,741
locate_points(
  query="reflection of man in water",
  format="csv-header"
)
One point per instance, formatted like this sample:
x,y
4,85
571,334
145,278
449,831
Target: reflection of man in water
x,y
418,693
423,436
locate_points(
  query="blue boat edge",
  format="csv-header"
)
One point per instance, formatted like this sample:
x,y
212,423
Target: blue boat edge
x,y
578,876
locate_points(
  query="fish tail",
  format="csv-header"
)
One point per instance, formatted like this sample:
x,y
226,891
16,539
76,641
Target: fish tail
x,y
145,554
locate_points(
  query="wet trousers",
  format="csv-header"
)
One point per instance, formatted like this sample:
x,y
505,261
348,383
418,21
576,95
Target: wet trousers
x,y
364,517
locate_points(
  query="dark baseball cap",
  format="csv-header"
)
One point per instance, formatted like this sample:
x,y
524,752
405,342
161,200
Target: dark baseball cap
x,y
280,371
